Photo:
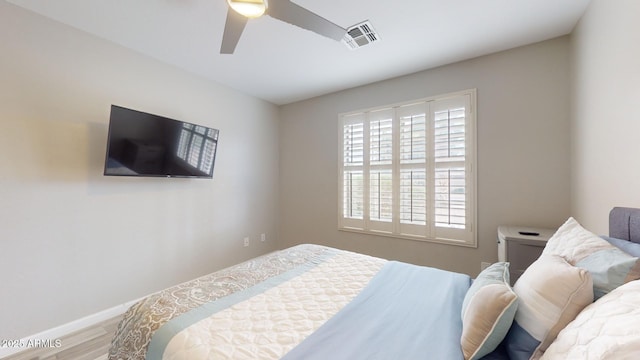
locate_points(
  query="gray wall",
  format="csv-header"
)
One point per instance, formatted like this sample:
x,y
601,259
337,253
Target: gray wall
x,y
73,242
523,153
605,122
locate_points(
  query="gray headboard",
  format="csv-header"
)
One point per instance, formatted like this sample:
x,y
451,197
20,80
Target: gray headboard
x,y
624,223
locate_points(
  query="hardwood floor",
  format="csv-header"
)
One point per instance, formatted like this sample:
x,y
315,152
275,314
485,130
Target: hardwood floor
x,y
91,343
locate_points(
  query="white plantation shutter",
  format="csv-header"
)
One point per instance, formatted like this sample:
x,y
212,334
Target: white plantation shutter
x,y
412,169
353,190
454,138
380,165
407,170
450,173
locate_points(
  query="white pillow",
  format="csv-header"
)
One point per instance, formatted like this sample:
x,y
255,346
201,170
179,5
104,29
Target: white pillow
x,y
609,266
551,293
606,330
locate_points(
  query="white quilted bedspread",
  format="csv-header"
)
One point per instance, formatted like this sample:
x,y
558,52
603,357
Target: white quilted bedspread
x,y
606,329
270,324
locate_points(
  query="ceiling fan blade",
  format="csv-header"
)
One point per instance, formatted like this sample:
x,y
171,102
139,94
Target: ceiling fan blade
x,y
232,30
294,14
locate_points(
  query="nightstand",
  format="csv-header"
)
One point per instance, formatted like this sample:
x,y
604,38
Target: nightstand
x,y
521,246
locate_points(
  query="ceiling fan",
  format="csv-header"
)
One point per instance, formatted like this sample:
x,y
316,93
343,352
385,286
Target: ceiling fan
x,y
240,11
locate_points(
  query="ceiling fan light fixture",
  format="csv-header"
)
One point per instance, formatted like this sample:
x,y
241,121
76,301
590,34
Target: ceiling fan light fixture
x,y
249,8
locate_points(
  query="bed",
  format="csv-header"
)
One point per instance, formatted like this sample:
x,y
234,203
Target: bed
x,y
316,302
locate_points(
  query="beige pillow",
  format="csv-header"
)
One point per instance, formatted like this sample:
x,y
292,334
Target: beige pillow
x,y
551,293
487,311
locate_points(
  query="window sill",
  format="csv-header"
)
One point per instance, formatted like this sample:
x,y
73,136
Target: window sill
x,y
443,241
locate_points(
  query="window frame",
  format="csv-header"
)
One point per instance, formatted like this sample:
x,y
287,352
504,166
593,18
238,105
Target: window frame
x,y
466,237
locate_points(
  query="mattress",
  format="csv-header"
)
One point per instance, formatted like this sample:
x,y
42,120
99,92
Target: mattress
x,y
308,302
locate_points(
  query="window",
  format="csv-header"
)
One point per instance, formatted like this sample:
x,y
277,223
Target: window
x,y
407,170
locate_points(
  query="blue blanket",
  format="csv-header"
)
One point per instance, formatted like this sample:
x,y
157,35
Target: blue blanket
x,y
406,312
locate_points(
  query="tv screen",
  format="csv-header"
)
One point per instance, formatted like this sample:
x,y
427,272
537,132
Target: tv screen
x,y
142,144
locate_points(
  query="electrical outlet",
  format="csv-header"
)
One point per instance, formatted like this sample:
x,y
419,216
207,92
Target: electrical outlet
x,y
246,241
484,265
263,237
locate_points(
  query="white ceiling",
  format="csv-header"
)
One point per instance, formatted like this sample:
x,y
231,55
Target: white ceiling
x,y
282,63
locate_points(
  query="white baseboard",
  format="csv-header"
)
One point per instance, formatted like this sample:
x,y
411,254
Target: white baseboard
x,y
68,328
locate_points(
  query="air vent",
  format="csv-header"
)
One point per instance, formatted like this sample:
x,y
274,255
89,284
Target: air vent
x,y
360,35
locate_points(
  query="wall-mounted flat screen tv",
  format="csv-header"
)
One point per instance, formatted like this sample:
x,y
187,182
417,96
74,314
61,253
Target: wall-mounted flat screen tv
x,y
142,144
